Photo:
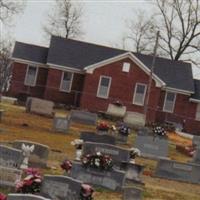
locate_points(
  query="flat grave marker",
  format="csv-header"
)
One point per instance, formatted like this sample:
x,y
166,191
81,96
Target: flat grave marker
x,y
83,117
93,137
170,169
152,147
25,197
9,176
132,193
112,179
61,188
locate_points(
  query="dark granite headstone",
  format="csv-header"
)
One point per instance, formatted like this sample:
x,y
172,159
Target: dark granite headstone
x,y
144,131
170,169
132,193
93,137
113,179
25,197
40,154
118,154
10,157
83,117
61,124
152,147
60,188
133,171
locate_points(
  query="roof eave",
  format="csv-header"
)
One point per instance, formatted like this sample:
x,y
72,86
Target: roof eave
x,y
195,100
180,91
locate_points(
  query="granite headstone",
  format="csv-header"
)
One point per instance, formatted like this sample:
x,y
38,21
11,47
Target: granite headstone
x,y
25,197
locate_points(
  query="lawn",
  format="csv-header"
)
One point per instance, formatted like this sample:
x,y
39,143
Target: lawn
x,y
17,124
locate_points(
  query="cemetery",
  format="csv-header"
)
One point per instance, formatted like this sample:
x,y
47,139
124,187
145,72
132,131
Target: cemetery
x,y
58,154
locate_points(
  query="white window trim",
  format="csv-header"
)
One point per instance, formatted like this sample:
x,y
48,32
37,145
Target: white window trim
x,y
35,80
198,107
108,91
145,90
61,82
126,67
171,111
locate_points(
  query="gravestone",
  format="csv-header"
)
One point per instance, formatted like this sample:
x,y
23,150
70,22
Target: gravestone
x,y
39,156
39,106
10,157
93,137
170,169
9,176
152,147
116,111
196,158
112,179
83,117
196,140
118,154
61,124
144,131
134,119
60,188
121,139
133,172
25,197
132,193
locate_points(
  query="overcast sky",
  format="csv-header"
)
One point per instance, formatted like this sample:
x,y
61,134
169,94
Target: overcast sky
x,y
103,20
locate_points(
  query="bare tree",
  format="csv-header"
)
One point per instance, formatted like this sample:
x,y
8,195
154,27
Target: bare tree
x,y
179,25
5,65
9,8
65,21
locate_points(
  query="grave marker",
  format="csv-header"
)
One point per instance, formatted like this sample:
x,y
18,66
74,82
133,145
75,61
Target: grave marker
x,y
10,157
132,193
196,140
61,124
118,154
40,154
9,176
83,117
196,158
39,106
61,187
117,111
112,179
152,147
25,197
187,172
93,137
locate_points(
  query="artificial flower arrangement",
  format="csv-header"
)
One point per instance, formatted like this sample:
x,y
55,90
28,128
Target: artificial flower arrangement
x,y
159,131
3,197
124,130
97,161
103,126
31,183
66,165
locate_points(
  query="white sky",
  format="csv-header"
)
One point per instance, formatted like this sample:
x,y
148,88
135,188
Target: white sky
x,y
103,20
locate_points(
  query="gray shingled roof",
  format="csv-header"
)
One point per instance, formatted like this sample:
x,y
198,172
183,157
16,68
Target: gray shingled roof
x,y
78,55
30,52
196,95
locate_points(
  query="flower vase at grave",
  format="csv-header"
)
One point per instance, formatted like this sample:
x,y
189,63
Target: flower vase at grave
x,y
27,150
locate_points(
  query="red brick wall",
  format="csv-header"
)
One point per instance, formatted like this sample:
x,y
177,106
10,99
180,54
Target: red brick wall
x,y
17,82
184,113
122,88
53,85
